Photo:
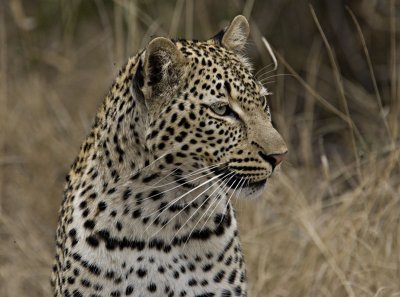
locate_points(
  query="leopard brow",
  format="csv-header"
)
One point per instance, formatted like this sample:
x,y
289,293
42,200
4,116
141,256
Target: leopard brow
x,y
232,104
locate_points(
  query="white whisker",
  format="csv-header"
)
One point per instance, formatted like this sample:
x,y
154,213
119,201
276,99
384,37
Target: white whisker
x,y
229,200
155,210
169,190
204,202
180,197
274,75
195,210
196,172
262,69
264,74
226,186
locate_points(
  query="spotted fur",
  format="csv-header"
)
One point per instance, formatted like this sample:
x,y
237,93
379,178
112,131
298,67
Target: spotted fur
x,y
146,209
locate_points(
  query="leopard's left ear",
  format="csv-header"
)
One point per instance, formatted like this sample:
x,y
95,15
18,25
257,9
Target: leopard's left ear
x,y
161,69
234,37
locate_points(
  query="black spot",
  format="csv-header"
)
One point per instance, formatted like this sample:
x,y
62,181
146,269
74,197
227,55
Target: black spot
x,y
152,287
227,87
92,241
204,283
129,290
162,125
102,206
82,205
207,294
219,276
137,213
71,280
201,234
232,276
156,195
207,267
104,234
111,243
170,130
156,243
191,267
76,293
86,283
169,159
150,177
226,293
141,272
167,248
94,269
76,256
127,193
184,123
111,191
89,224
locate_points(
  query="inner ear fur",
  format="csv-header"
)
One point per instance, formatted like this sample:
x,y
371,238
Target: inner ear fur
x,y
234,37
163,67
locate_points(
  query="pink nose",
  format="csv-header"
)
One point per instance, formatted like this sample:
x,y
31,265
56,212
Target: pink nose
x,y
278,158
273,159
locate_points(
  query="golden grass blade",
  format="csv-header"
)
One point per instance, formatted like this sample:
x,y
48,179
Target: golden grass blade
x,y
372,73
340,88
271,52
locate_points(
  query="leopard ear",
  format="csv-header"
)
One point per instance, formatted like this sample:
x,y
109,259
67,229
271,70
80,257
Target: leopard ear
x,y
161,69
234,37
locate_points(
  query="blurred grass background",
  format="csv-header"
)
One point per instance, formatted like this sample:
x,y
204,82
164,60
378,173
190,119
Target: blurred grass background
x,y
329,224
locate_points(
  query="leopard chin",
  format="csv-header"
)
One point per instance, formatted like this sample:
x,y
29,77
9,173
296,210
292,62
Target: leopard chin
x,y
252,191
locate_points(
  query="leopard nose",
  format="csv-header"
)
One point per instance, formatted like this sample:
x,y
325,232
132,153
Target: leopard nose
x,y
278,158
273,159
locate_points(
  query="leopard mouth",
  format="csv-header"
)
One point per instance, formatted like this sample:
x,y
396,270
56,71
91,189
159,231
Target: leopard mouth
x,y
234,180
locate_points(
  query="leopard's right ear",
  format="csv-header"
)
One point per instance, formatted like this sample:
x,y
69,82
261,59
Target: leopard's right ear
x,y
160,71
234,37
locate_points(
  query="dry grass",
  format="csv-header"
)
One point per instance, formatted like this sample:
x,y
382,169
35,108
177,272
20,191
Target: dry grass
x,y
329,224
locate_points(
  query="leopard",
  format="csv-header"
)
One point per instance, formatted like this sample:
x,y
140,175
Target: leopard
x,y
147,208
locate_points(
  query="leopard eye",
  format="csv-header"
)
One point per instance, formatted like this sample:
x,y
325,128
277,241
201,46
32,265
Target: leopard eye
x,y
220,109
